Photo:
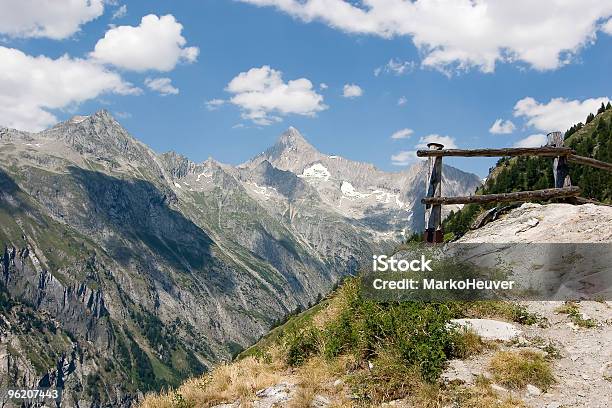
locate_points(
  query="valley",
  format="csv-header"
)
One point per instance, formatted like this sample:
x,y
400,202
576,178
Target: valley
x,y
124,266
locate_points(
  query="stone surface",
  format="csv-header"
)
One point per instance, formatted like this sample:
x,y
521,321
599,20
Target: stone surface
x,y
490,329
548,223
235,404
533,391
278,394
457,371
320,401
606,371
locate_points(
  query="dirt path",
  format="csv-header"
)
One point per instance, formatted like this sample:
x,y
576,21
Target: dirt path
x,y
585,356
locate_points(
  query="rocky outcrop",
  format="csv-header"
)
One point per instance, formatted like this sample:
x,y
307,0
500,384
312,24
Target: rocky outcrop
x,y
551,223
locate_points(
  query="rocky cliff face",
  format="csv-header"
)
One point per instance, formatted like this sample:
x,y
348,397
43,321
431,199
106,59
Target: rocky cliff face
x,y
122,266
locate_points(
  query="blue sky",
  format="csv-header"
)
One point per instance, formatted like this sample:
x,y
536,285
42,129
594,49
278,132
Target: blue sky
x,y
454,95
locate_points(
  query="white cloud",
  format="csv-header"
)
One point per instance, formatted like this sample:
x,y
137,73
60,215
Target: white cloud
x,y
559,114
502,127
447,141
120,12
402,100
402,134
536,140
352,91
31,86
607,27
214,104
162,85
57,19
155,44
264,97
323,86
396,67
404,158
123,115
475,34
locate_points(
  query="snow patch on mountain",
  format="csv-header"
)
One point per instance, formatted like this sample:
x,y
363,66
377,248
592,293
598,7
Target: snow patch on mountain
x,y
349,191
387,198
78,119
316,171
263,191
204,174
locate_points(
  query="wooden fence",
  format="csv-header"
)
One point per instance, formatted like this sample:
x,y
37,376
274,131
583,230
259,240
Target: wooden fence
x,y
563,186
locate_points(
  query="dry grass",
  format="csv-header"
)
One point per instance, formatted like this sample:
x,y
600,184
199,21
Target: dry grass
x,y
467,343
317,377
481,395
331,311
517,369
239,380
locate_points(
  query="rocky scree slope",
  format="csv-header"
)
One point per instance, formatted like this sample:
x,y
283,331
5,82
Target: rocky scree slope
x,y
123,266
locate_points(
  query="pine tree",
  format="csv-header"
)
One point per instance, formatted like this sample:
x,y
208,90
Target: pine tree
x,y
608,106
601,109
590,118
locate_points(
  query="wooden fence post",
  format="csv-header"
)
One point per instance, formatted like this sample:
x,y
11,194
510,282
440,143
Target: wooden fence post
x,y
560,168
433,213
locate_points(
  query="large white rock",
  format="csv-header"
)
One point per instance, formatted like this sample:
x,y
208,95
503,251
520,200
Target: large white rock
x,y
490,329
457,371
277,395
548,223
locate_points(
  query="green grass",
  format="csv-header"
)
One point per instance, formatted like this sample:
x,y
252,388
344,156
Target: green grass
x,y
573,311
295,323
499,310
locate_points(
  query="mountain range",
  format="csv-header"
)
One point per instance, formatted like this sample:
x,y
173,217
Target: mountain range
x,y
125,271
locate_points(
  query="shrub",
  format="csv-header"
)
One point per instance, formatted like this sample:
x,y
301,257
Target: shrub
x,y
301,345
416,331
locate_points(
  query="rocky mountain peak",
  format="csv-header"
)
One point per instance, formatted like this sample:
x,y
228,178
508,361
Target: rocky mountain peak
x,y
176,164
290,152
100,118
99,135
103,116
291,140
292,137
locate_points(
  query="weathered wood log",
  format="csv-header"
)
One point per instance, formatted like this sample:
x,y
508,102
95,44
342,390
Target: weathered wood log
x,y
433,213
560,167
503,152
572,158
582,200
506,197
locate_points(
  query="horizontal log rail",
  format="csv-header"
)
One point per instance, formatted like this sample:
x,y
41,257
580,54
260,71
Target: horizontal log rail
x,y
519,151
573,158
545,194
509,151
